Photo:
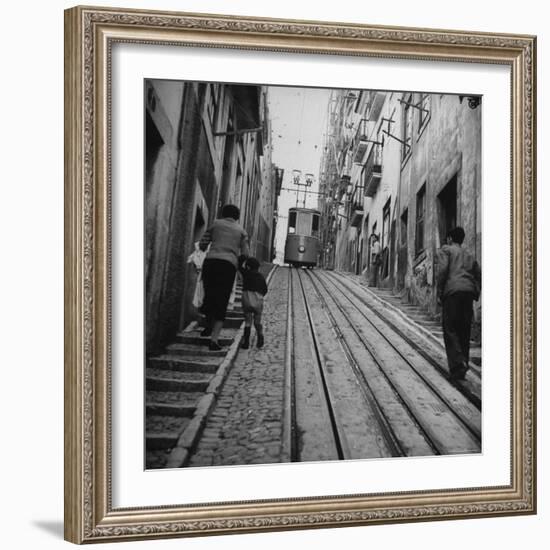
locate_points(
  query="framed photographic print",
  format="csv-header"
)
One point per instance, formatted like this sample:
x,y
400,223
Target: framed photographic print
x,y
300,277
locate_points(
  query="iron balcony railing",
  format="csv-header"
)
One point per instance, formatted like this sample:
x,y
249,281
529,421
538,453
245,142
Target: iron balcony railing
x,y
356,214
360,141
373,170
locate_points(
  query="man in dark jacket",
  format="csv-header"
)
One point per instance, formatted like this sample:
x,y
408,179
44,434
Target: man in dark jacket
x,y
458,285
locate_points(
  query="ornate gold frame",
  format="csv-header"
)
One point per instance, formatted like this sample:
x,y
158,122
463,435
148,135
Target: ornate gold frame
x,y
89,34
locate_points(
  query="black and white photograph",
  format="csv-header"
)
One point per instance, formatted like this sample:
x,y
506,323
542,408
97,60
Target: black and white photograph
x,y
312,274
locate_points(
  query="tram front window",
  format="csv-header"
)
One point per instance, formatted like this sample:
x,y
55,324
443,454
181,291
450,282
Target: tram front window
x,y
315,226
292,222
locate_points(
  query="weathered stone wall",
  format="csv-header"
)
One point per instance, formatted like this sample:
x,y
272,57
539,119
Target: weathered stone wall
x,y
448,147
444,150
171,208
187,178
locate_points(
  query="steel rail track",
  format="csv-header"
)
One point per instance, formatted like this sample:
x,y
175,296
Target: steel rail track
x,y
362,379
369,395
472,429
474,369
323,376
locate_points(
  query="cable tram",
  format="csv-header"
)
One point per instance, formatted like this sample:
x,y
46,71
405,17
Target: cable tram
x,y
302,238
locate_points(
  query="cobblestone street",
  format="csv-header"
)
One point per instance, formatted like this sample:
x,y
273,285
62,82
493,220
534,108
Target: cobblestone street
x,y
246,425
351,380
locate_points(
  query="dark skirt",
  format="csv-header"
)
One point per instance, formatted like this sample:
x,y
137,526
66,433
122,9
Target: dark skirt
x,y
218,277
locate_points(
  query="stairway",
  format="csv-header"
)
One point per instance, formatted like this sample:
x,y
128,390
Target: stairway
x,y
422,318
178,383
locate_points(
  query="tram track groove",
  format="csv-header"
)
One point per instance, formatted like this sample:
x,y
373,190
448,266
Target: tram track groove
x,y
311,431
471,430
449,394
370,397
465,387
357,422
289,444
413,439
341,446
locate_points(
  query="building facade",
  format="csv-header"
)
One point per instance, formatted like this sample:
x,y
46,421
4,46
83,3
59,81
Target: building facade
x,y
207,145
406,167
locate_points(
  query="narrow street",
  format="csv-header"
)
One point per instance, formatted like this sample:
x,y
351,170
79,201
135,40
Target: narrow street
x,y
363,209
341,376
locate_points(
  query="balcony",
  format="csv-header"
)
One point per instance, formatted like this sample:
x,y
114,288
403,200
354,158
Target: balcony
x,y
360,141
344,164
356,215
343,186
373,170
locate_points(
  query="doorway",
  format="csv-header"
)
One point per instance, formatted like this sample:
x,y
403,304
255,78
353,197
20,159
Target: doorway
x,y
402,255
447,209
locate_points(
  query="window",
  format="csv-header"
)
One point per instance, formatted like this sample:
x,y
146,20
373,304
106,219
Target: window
x,y
404,227
386,224
315,226
447,208
292,222
406,126
386,239
420,214
373,249
366,255
303,224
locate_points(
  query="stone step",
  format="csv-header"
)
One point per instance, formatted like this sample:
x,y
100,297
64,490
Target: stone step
x,y
163,424
237,314
177,375
429,324
198,340
392,299
155,382
233,316
169,409
159,441
439,334
184,350
184,364
234,322
155,459
225,333
189,399
418,318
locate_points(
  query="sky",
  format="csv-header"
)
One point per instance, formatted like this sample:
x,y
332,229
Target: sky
x,y
298,122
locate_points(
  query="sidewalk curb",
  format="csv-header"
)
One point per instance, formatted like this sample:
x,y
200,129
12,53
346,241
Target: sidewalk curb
x,y
188,439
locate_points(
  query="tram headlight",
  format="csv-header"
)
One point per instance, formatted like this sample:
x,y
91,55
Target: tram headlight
x,y
301,249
